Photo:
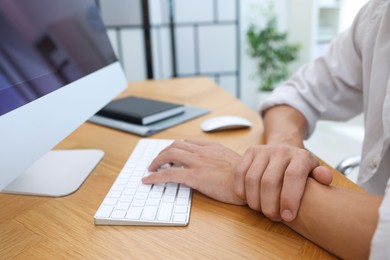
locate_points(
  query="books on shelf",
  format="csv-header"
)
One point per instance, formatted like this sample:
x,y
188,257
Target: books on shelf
x,y
142,111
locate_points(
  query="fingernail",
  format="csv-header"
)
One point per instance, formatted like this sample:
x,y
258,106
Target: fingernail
x,y
287,215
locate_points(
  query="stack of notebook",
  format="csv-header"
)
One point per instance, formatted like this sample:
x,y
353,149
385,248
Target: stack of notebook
x,y
143,116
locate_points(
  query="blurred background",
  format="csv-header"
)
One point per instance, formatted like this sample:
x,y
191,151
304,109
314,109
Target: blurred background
x,y
161,39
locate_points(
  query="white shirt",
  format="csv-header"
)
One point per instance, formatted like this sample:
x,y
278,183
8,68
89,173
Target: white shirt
x,y
353,77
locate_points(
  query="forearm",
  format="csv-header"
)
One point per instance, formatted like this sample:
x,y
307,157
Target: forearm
x,y
340,220
284,124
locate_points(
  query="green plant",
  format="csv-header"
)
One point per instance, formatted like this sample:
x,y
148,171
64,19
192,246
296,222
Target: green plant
x,y
272,51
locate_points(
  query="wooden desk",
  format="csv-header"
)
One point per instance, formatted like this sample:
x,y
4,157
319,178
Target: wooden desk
x,y
48,228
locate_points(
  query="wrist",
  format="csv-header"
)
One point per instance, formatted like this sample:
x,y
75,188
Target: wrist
x,y
277,138
284,125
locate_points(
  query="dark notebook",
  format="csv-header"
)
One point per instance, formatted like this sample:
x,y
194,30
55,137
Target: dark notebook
x,y
142,111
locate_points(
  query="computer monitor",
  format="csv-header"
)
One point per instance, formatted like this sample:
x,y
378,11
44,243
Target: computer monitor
x,y
57,68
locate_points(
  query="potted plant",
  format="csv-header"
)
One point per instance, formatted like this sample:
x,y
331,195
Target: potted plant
x,y
271,49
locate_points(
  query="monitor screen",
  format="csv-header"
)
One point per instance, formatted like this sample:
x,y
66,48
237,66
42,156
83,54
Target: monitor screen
x,y
41,51
57,68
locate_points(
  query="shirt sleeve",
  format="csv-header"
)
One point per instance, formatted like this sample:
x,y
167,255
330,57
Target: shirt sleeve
x,y
331,86
380,248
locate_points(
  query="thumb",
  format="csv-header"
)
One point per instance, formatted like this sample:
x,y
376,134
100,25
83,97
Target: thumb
x,y
323,175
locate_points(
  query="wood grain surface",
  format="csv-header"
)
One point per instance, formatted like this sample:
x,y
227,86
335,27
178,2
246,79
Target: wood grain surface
x,y
63,228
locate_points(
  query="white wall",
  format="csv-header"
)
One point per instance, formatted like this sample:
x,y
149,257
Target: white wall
x,y
217,46
349,9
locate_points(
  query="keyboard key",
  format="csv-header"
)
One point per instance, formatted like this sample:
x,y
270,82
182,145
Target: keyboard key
x,y
138,203
149,213
114,194
153,202
141,196
169,199
122,206
134,213
104,211
118,214
181,209
181,201
183,193
144,188
165,212
180,218
126,198
110,201
170,191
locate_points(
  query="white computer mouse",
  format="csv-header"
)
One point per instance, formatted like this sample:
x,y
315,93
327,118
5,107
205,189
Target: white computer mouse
x,y
227,122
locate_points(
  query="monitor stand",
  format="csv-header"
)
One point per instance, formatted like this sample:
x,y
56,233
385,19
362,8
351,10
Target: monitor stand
x,y
56,174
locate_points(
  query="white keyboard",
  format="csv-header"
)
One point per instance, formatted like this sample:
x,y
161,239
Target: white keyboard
x,y
129,202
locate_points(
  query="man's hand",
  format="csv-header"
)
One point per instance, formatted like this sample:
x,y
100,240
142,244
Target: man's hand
x,y
205,166
272,179
269,178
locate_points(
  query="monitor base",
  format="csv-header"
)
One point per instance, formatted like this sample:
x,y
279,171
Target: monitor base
x,y
56,174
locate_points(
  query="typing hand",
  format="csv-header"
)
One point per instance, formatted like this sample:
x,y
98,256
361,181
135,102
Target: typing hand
x,y
205,166
272,179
